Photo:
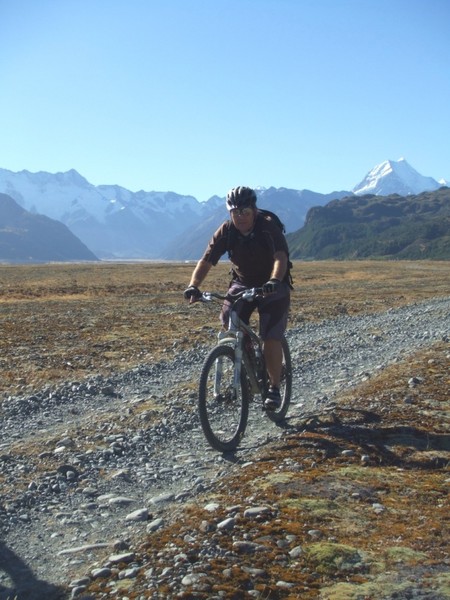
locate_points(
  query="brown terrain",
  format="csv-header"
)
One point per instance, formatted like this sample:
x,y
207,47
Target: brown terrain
x,y
363,488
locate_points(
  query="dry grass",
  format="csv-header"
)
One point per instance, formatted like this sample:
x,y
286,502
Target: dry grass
x,y
67,321
70,321
370,480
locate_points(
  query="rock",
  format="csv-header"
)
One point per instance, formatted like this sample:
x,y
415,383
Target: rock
x,y
212,506
226,524
162,498
315,534
99,573
256,511
129,573
155,525
85,548
120,501
141,514
126,557
243,547
296,552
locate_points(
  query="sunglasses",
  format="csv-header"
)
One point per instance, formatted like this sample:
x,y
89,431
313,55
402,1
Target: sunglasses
x,y
242,212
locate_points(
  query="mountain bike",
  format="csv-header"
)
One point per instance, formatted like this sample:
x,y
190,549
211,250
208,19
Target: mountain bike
x,y
233,373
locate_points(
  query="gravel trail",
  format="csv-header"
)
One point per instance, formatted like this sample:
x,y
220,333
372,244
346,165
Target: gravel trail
x,y
92,465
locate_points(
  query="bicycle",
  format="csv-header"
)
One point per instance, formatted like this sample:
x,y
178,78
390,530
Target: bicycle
x,y
233,373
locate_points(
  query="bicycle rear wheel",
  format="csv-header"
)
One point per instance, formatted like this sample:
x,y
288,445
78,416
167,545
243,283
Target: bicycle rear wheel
x,y
223,410
285,385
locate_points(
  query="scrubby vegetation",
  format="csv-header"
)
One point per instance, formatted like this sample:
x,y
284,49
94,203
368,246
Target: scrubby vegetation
x,y
360,491
70,320
410,227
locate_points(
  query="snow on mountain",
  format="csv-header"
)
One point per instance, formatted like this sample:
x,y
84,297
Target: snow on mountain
x,y
57,196
111,220
395,177
290,205
114,222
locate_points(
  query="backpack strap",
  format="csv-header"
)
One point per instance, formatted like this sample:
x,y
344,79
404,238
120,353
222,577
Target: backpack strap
x,y
231,238
232,235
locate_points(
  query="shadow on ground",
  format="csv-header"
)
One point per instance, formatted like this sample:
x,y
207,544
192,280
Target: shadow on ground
x,y
18,582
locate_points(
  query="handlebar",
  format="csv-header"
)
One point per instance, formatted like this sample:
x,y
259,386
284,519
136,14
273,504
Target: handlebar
x,y
248,294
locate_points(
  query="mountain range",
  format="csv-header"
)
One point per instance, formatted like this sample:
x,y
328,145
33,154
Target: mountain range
x,y
115,223
25,237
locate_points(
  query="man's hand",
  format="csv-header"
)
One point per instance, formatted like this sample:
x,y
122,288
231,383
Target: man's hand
x,y
192,293
271,286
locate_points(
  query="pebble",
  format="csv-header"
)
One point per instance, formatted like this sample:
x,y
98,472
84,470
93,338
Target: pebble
x,y
141,514
244,547
102,572
120,501
155,525
126,557
85,548
315,533
226,524
79,505
256,511
162,498
296,552
348,453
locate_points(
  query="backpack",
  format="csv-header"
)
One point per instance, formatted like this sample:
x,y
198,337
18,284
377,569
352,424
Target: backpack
x,y
270,216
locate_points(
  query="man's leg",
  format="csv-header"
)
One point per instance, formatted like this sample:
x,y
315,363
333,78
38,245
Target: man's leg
x,y
273,355
273,312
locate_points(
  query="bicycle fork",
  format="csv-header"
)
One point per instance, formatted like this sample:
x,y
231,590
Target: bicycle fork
x,y
231,339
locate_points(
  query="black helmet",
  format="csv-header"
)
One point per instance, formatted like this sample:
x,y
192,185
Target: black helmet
x,y
241,197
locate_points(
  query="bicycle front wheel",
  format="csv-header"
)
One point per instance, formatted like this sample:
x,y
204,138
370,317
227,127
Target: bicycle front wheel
x,y
223,410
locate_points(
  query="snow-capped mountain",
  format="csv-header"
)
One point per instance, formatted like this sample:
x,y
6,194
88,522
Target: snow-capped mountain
x,y
395,177
291,206
117,223
112,221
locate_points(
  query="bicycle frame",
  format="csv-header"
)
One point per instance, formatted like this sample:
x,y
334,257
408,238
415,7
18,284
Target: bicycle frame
x,y
234,336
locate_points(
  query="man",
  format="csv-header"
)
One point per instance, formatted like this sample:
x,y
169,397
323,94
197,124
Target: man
x,y
259,255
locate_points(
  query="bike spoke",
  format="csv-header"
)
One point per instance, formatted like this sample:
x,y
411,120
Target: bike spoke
x,y
223,409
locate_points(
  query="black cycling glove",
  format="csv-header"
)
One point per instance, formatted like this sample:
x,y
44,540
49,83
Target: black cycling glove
x,y
192,292
271,286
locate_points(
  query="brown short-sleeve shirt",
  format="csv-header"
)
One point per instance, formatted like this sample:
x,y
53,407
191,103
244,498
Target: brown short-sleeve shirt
x,y
252,256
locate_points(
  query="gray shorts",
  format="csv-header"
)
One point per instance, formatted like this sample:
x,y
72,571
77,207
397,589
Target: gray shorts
x,y
273,311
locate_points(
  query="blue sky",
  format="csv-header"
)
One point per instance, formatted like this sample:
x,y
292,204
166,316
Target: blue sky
x,y
197,96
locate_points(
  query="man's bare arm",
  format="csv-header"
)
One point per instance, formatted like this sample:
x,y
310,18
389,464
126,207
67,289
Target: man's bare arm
x,y
200,272
280,265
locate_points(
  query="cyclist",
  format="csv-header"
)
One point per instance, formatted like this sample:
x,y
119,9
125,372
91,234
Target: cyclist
x,y
259,255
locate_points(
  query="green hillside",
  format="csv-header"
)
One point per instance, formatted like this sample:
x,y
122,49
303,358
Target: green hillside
x,y
388,227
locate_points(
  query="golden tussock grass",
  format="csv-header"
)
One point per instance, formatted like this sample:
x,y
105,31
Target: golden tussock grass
x,y
62,321
363,489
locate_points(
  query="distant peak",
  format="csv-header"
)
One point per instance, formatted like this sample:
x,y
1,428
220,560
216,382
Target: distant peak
x,y
73,176
394,176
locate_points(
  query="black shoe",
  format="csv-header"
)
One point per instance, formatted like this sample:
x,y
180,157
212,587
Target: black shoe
x,y
273,399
